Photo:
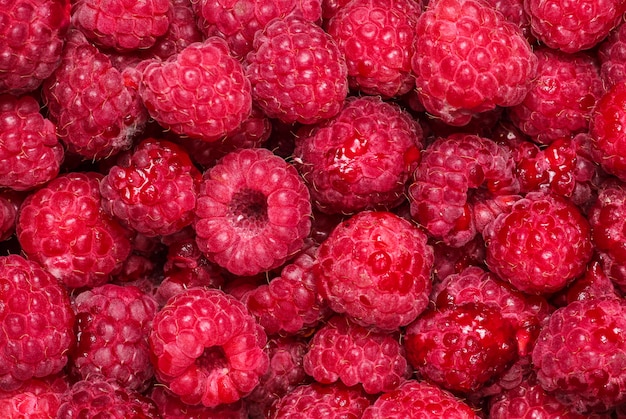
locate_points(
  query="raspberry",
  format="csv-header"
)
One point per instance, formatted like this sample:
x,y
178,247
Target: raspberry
x,y
561,97
376,267
112,324
331,401
37,322
34,399
253,212
415,399
612,57
207,348
63,227
171,407
362,158
30,152
297,72
202,92
153,190
377,38
572,27
513,11
541,245
594,283
470,59
578,354
343,350
96,108
450,260
31,42
450,168
461,347
9,206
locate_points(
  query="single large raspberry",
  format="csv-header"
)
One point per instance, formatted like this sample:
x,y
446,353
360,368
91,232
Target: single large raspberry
x,y
96,109
561,97
153,190
34,399
253,212
30,152
362,158
415,399
469,59
63,227
32,35
122,25
450,169
377,38
578,354
375,267
541,245
201,92
343,350
36,320
297,72
573,26
207,348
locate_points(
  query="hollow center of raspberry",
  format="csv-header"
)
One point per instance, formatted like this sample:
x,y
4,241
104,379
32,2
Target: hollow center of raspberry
x,y
213,358
248,209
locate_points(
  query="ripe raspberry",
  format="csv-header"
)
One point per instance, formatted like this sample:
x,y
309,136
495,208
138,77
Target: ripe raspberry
x,y
561,97
171,407
100,398
63,227
37,322
238,21
34,399
461,347
572,27
331,401
513,11
377,38
30,152
122,25
253,212
202,92
362,158
207,348
297,72
470,59
451,167
96,108
376,267
112,324
343,350
32,35
153,190
594,283
415,399
578,354
541,245
9,206
612,56
450,260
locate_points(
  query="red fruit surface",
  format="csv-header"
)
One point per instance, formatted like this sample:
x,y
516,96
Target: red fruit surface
x,y
612,57
375,267
207,348
34,399
170,406
9,207
253,212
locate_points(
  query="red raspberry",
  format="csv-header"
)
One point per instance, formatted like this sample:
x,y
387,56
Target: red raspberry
x,y
415,399
594,283
572,27
377,38
451,167
513,11
297,72
9,206
561,98
450,260
202,92
96,109
470,59
37,322
362,158
541,245
31,42
376,267
34,399
171,407
331,401
112,324
30,152
63,227
207,348
579,353
612,56
253,212
342,350
153,190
